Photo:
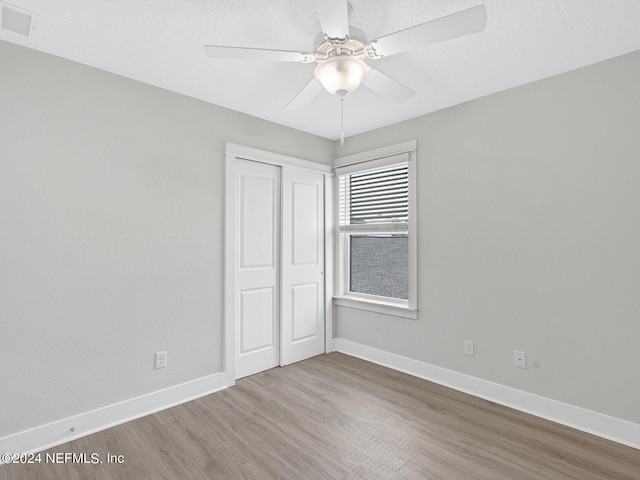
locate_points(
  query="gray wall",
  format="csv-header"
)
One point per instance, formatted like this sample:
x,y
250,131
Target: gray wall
x,y
529,238
111,234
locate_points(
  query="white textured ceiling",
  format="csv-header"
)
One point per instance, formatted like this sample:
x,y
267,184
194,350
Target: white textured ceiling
x,y
160,42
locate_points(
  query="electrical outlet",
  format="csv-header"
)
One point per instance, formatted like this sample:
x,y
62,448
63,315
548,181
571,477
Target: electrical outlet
x,y
469,348
519,359
161,359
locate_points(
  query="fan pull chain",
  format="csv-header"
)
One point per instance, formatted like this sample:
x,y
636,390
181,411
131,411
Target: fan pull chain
x,y
342,121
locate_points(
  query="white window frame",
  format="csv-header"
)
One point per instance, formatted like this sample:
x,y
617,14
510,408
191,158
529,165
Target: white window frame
x,y
393,154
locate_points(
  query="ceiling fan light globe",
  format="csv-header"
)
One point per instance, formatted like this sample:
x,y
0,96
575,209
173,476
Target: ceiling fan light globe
x,y
341,75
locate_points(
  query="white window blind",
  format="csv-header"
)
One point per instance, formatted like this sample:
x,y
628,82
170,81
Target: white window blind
x,y
379,196
375,198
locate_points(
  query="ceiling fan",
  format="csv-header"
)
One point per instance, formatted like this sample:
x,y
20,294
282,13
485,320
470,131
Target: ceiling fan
x,y
340,51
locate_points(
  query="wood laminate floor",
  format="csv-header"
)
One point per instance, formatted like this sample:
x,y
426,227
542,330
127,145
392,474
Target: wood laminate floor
x,y
338,417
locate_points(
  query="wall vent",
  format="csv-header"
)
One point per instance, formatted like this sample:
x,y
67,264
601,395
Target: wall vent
x,y
16,21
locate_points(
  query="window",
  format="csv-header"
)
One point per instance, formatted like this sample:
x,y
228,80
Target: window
x,y
379,265
376,244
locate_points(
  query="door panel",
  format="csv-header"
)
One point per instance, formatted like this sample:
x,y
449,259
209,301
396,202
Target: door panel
x,y
257,217
304,228
304,308
257,268
303,265
257,331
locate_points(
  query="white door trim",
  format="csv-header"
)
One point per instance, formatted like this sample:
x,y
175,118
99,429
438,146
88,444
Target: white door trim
x,y
234,152
264,156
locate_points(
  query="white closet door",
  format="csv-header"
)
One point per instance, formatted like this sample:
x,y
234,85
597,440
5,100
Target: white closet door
x,y
302,265
257,267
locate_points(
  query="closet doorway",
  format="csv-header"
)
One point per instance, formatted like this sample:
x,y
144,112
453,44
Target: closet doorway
x,y
275,261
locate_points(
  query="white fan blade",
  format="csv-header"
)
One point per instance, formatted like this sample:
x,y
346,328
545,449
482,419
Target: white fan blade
x,y
307,94
334,17
219,51
387,86
455,25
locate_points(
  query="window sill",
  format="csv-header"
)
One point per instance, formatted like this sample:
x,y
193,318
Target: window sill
x,y
377,306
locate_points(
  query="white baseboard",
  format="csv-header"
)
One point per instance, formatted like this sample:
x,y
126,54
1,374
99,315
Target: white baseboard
x,y
611,428
58,432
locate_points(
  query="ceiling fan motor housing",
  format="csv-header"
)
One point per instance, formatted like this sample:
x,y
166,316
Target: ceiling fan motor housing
x,y
341,67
